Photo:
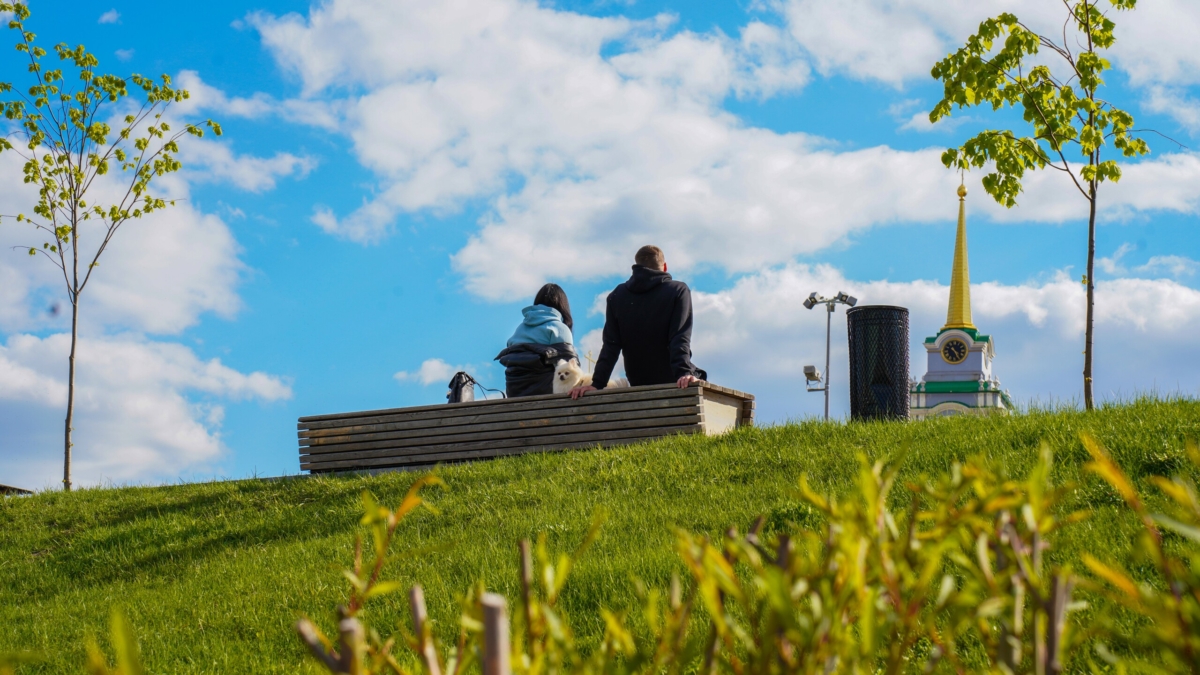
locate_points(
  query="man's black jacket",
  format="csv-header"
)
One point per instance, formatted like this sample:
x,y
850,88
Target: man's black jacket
x,y
529,368
649,318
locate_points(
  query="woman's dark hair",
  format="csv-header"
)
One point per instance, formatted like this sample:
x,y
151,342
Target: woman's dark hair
x,y
552,295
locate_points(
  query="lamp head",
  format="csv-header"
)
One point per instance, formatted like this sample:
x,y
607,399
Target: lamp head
x,y
810,301
846,299
811,374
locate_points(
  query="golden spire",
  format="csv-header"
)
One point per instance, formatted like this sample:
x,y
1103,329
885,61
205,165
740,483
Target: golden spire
x,y
959,313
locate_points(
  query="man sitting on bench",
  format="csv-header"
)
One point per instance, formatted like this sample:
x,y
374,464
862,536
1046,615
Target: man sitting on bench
x,y
649,319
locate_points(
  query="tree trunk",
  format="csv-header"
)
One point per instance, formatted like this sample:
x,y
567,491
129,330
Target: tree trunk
x,y
1094,159
1088,401
70,395
74,294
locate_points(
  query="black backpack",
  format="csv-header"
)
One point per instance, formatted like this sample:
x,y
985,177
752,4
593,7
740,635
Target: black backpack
x,y
462,388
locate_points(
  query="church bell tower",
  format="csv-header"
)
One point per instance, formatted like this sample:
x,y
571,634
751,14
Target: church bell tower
x,y
959,379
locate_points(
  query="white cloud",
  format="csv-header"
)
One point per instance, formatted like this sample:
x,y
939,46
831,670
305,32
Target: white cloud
x,y
409,40
897,41
144,410
1112,264
202,96
14,289
913,115
111,16
514,88
1175,103
904,108
1156,42
599,304
205,98
20,383
215,161
160,274
322,114
124,54
212,160
166,271
233,212
1175,265
887,40
756,335
920,123
771,61
760,202
590,136
432,371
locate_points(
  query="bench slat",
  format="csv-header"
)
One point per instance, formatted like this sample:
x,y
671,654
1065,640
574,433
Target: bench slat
x,y
520,426
502,448
424,441
494,416
489,402
624,395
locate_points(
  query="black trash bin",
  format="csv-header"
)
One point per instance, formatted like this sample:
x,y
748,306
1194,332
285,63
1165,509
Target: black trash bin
x,y
878,336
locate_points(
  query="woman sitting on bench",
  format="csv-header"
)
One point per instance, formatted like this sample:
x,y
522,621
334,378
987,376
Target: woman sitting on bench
x,y
539,342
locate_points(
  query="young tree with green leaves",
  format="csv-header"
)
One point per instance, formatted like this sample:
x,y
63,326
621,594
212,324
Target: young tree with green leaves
x,y
1057,85
62,125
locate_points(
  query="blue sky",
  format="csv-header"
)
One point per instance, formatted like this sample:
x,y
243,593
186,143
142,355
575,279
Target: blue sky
x,y
397,178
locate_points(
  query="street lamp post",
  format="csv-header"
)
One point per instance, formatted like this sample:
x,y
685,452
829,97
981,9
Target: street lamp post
x,y
811,374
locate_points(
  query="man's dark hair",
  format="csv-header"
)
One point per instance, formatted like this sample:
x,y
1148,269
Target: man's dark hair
x,y
650,256
553,296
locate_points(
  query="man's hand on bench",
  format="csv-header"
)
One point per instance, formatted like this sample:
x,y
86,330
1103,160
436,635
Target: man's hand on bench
x,y
683,382
580,391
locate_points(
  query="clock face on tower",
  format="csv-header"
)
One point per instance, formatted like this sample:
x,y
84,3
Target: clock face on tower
x,y
954,351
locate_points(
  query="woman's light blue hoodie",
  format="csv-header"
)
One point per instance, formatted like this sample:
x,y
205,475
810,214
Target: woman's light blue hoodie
x,y
543,326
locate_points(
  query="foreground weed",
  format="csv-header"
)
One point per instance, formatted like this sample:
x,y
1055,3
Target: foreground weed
x,y
956,581
359,651
1171,599
124,642
878,590
961,570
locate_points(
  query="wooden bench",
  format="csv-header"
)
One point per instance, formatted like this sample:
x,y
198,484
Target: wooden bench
x,y
456,432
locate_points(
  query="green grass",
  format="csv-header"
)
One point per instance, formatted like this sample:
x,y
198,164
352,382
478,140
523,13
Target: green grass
x,y
213,575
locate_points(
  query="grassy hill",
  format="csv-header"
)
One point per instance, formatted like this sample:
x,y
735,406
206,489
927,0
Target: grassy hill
x,y
214,575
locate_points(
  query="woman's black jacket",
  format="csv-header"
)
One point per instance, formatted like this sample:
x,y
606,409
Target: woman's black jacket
x,y
529,368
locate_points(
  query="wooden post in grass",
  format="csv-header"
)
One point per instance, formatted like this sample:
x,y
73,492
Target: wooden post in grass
x,y
714,638
527,588
351,639
1056,619
495,635
416,600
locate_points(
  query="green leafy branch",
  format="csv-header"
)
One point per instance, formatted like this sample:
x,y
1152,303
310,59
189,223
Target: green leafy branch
x,y
61,133
990,69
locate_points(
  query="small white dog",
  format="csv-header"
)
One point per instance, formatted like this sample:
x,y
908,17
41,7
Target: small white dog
x,y
568,375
